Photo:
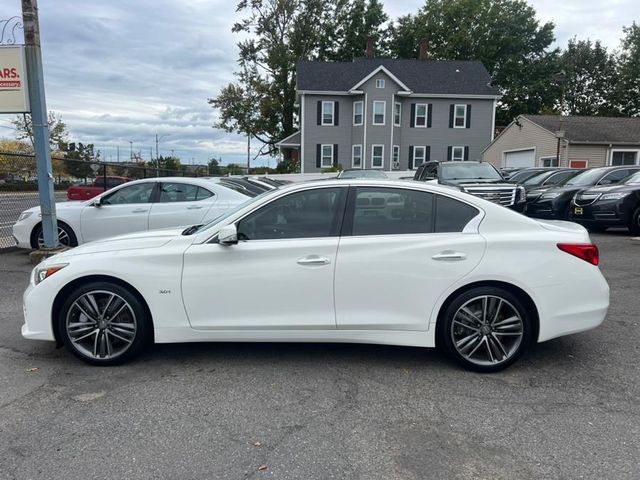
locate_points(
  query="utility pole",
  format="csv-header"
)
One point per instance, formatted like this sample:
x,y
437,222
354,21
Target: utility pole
x,y
131,150
248,152
157,158
39,122
118,152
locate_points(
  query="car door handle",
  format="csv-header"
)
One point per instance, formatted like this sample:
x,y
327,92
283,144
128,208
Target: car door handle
x,y
194,207
139,210
450,255
313,260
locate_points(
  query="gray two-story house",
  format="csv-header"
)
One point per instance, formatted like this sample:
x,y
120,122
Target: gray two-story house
x,y
391,114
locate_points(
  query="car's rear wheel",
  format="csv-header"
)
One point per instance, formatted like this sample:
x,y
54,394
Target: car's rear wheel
x,y
485,329
634,225
66,236
103,323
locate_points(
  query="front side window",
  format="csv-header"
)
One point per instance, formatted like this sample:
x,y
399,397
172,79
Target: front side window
x,y
457,153
327,155
310,214
138,193
421,115
624,158
358,113
377,156
356,156
615,177
392,211
379,108
397,114
182,192
327,113
418,156
460,116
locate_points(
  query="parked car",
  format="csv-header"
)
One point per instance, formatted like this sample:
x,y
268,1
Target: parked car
x,y
599,208
554,202
135,206
361,173
556,176
526,173
99,185
248,186
362,261
477,178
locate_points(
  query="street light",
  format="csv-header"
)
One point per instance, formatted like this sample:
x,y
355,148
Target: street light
x,y
131,150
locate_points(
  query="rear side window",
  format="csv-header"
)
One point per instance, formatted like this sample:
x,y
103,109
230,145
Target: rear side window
x,y
452,215
392,211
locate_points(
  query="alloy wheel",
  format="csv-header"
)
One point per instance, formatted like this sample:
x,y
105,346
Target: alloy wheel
x,y
63,238
487,330
101,325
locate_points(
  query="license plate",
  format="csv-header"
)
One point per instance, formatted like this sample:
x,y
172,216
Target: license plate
x,y
577,211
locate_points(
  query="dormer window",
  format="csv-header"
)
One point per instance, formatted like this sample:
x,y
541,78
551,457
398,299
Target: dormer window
x,y
380,83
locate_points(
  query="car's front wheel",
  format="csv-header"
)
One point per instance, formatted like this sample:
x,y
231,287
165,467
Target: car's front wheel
x,y
485,329
634,225
66,236
103,323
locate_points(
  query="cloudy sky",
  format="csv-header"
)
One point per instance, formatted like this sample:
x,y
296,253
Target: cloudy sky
x,y
121,71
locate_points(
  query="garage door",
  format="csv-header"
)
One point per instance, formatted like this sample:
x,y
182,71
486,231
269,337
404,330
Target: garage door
x,y
523,158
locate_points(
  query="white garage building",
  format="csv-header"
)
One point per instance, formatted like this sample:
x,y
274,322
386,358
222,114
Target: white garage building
x,y
533,141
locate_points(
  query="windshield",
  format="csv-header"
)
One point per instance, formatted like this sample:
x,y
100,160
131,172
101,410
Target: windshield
x,y
362,174
468,171
227,214
633,179
588,177
538,179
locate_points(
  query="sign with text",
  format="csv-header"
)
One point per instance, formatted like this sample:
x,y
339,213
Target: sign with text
x,y
14,97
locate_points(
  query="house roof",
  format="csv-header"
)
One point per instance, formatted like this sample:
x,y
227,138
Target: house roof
x,y
445,77
591,129
290,141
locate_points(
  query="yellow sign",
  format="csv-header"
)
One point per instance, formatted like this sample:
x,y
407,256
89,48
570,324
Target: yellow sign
x,y
14,97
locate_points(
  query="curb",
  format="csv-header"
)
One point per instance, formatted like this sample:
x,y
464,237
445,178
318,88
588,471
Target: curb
x,y
635,240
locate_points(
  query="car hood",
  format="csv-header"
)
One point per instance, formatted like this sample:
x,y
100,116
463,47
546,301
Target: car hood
x,y
63,206
476,181
612,188
570,189
131,241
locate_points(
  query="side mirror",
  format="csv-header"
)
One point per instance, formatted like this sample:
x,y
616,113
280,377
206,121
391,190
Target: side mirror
x,y
97,202
228,235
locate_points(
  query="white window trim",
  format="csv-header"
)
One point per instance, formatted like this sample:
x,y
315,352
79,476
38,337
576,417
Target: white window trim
x,y
373,147
453,156
395,149
455,108
333,114
361,114
322,165
415,157
384,113
426,115
549,157
399,124
380,83
615,150
353,155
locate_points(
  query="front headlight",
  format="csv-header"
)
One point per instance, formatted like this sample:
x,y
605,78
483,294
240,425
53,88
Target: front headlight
x,y
521,195
614,196
42,273
24,216
551,195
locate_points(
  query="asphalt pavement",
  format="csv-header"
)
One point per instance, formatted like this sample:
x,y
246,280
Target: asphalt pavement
x,y
12,204
568,410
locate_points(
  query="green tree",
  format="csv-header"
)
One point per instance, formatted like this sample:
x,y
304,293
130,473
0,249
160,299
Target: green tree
x,y
504,35
77,162
214,167
58,135
628,91
168,166
234,169
590,79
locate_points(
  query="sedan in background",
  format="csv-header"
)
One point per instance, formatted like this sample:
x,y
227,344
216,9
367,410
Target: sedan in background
x,y
549,178
599,208
555,202
354,261
134,206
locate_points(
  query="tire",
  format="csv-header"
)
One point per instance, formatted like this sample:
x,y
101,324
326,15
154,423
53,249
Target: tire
x,y
634,225
485,343
104,324
66,236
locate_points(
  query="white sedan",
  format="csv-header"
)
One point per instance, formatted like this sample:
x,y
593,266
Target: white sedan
x,y
135,206
366,261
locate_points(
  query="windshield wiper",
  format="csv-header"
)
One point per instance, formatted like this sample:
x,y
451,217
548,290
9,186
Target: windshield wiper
x,y
191,230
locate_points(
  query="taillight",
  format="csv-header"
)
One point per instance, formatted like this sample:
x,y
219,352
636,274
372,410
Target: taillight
x,y
585,251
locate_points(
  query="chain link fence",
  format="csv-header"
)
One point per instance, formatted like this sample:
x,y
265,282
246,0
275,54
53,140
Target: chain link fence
x,y
19,182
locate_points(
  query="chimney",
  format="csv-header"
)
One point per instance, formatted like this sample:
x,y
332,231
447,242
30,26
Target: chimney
x,y
370,47
424,49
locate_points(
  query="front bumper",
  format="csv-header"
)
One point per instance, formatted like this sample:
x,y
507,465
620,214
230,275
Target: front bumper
x,y
22,234
36,308
602,213
548,209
